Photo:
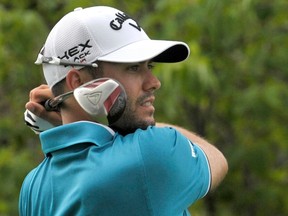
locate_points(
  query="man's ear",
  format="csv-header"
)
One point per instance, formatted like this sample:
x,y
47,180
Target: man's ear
x,y
73,79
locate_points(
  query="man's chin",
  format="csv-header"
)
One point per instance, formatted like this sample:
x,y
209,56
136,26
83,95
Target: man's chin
x,y
125,128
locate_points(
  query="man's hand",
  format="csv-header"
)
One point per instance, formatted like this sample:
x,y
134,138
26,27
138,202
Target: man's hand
x,y
36,117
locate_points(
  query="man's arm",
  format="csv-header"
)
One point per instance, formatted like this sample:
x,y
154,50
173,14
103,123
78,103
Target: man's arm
x,y
217,161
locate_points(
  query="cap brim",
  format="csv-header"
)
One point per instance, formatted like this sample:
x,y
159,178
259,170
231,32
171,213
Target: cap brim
x,y
155,50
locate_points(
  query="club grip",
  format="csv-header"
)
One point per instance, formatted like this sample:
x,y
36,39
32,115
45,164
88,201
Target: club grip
x,y
49,106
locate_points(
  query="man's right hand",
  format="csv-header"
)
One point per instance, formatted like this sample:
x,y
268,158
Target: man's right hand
x,y
36,116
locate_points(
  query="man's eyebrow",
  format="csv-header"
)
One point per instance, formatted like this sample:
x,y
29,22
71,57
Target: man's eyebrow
x,y
148,61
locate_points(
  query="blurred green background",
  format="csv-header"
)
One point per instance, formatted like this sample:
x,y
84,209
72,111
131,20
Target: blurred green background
x,y
232,90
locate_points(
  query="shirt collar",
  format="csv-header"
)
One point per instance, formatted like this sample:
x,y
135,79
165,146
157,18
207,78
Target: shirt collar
x,y
78,132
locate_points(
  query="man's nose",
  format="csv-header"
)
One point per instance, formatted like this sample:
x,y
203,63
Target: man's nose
x,y
152,83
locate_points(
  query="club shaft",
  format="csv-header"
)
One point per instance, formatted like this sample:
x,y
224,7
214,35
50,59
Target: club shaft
x,y
52,104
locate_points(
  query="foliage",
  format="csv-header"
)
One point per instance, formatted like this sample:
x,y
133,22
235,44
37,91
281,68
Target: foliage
x,y
231,90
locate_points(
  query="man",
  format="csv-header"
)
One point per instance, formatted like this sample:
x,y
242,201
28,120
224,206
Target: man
x,y
135,169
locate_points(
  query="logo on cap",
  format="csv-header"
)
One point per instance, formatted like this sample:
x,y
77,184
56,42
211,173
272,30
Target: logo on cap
x,y
117,23
79,52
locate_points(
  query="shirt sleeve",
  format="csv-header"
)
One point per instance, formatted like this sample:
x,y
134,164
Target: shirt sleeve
x,y
175,168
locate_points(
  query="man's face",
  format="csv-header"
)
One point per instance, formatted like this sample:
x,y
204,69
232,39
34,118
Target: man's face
x,y
140,85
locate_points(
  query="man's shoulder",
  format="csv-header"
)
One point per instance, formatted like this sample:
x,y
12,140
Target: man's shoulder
x,y
160,140
157,132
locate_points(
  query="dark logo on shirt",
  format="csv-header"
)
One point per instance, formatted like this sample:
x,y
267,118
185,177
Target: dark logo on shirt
x,y
117,23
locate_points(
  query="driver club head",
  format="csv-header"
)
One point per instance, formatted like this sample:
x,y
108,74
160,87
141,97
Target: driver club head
x,y
102,97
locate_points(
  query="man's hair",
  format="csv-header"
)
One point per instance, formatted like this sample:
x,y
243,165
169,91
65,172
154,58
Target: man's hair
x,y
95,73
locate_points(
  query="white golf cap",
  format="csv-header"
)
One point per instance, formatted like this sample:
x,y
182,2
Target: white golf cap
x,y
101,33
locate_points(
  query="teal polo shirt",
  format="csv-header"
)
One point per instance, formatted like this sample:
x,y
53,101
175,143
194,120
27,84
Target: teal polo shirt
x,y
90,170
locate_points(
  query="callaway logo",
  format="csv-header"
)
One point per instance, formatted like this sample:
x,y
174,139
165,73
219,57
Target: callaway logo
x,y
117,23
78,52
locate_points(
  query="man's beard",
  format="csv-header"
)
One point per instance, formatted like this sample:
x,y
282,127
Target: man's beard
x,y
129,122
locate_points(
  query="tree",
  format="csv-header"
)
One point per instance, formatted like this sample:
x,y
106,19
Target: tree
x,y
231,90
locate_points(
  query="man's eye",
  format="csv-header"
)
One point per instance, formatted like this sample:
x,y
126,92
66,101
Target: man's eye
x,y
151,66
133,68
